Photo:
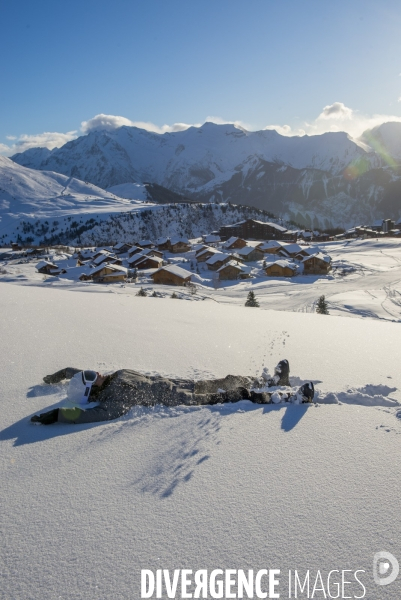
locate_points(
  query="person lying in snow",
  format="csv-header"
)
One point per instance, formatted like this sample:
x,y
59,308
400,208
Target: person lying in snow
x,y
93,397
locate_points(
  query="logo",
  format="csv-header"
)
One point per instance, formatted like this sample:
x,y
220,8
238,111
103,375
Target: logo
x,y
382,561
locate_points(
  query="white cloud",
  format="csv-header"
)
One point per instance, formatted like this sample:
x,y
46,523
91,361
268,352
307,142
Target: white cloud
x,y
337,117
286,130
338,110
109,122
48,139
399,99
104,122
4,149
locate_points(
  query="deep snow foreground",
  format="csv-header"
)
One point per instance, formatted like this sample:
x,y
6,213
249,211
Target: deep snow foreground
x,y
238,486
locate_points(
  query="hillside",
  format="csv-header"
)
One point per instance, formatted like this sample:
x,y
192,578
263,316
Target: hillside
x,y
320,181
142,221
35,205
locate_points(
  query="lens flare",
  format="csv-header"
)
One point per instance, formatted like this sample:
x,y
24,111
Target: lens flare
x,y
380,150
356,168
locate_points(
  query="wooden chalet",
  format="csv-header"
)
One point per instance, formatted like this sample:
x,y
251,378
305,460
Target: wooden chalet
x,y
157,253
211,239
234,242
307,251
146,244
317,264
97,253
149,262
163,244
249,253
104,258
35,251
122,248
218,260
85,254
290,250
134,250
136,258
48,268
233,270
179,245
85,277
281,268
270,247
252,229
109,274
171,275
204,254
201,249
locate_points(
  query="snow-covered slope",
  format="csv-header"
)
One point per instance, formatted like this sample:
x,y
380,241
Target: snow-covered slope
x,y
131,191
28,194
385,139
315,176
85,508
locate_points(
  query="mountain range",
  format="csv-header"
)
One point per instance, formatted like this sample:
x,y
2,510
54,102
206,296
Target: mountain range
x,y
321,181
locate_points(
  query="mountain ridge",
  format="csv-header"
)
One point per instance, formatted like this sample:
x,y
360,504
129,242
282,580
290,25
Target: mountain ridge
x,y
326,180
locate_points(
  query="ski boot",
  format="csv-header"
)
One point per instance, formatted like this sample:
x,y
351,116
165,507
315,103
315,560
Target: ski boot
x,y
281,375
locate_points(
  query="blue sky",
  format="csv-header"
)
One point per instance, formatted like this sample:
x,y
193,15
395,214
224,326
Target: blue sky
x,y
260,63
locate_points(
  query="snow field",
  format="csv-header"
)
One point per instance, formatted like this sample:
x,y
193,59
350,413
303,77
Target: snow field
x,y
240,486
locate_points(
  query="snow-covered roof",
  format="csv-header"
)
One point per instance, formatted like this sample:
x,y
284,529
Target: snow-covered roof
x,y
283,264
155,258
217,257
291,248
230,263
245,251
177,239
325,257
121,245
45,263
139,256
116,268
274,225
239,266
230,241
161,240
204,250
102,258
145,243
234,224
311,250
211,239
269,244
179,271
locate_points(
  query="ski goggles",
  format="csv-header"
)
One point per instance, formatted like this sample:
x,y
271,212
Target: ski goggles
x,y
88,379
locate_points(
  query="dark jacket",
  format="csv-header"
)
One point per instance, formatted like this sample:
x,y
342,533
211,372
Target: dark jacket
x,y
125,389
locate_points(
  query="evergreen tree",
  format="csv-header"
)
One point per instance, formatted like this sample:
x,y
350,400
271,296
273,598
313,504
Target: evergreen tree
x,y
174,295
142,292
321,306
251,300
